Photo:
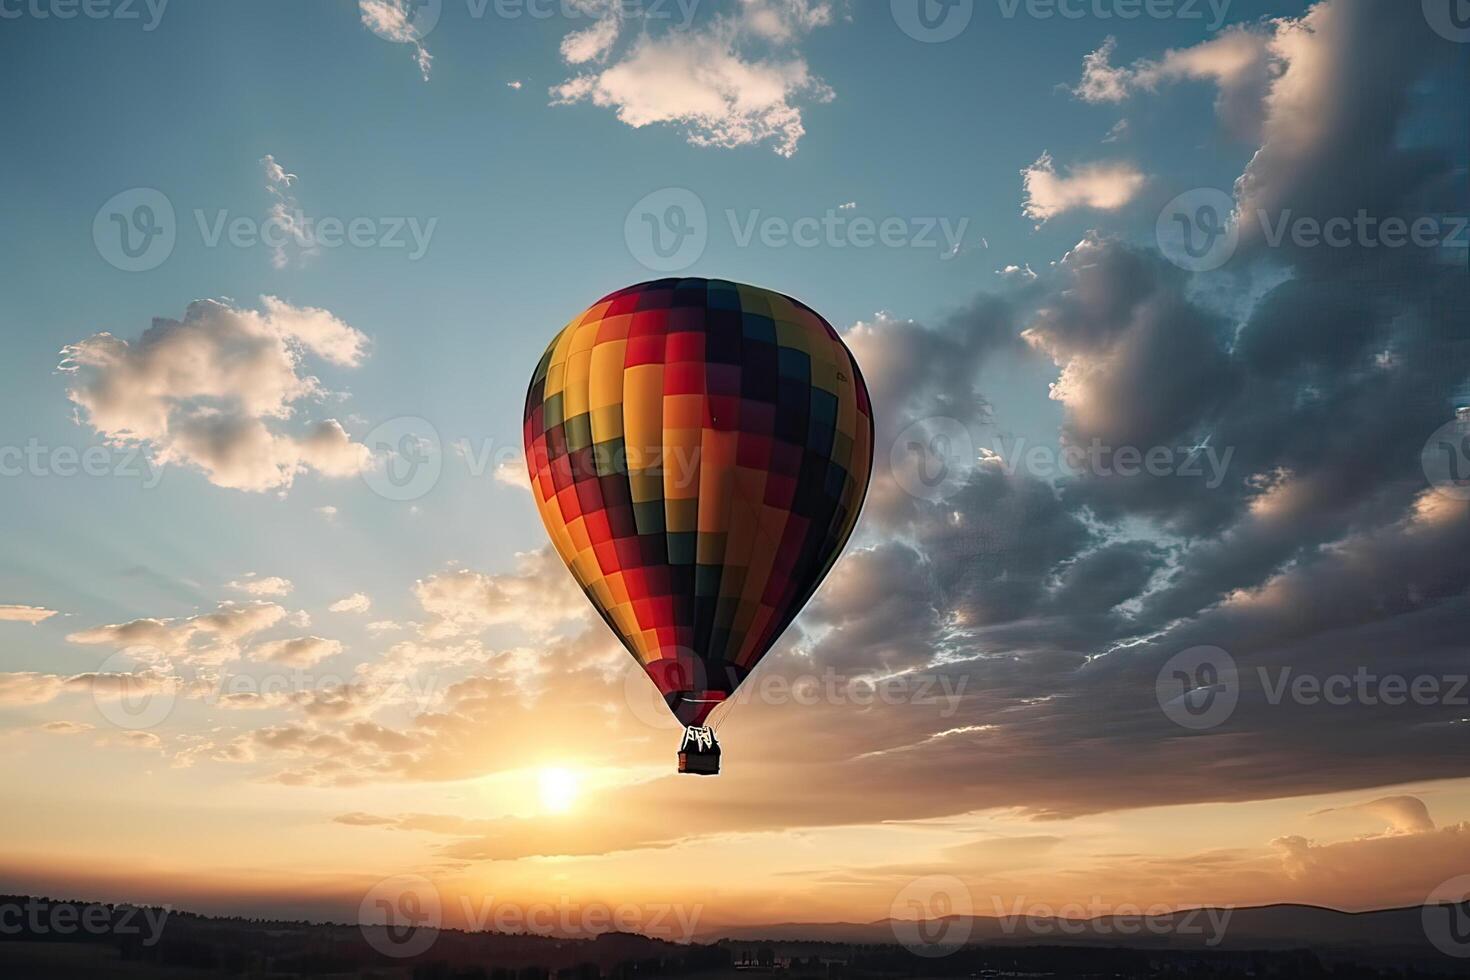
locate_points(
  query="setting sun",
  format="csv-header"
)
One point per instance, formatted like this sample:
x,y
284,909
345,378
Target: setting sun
x,y
559,788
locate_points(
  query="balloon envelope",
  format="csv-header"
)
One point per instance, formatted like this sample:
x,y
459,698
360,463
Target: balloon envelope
x,y
699,451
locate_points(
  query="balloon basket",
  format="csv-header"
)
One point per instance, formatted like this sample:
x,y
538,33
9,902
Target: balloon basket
x,y
699,752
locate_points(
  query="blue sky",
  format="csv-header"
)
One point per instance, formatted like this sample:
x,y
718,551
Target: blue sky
x,y
529,202
1052,144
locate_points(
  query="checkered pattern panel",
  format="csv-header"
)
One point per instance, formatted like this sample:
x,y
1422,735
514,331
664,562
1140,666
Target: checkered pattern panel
x,y
699,451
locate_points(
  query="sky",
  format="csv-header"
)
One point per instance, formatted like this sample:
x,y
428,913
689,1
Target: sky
x,y
1158,598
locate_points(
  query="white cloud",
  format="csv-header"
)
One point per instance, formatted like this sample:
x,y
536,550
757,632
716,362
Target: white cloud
x,y
707,81
512,473
209,638
211,389
592,43
302,651
1101,186
1238,61
355,603
328,512
285,215
538,594
269,585
25,614
393,20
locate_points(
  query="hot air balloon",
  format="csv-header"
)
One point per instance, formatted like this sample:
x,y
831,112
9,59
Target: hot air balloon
x,y
699,451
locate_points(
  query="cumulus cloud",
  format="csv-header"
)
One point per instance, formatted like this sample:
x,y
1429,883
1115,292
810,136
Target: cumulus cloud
x,y
539,594
262,586
208,638
1238,61
302,651
732,82
355,603
25,614
31,688
1403,814
216,389
1098,186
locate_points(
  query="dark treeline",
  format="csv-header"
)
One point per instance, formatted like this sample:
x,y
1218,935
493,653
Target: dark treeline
x,y
59,940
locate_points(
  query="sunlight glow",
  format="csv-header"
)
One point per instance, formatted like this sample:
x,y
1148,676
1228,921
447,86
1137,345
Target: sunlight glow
x,y
559,789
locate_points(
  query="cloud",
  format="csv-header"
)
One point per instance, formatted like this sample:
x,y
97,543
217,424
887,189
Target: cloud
x,y
1404,814
355,603
1099,186
393,20
1238,61
539,594
513,473
25,614
383,626
208,638
1333,118
265,586
29,688
708,81
303,651
66,728
285,215
213,390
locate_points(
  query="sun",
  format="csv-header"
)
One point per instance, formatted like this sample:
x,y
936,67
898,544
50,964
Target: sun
x,y
559,789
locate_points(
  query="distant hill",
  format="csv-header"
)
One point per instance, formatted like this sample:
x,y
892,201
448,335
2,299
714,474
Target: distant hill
x,y
1384,934
58,940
